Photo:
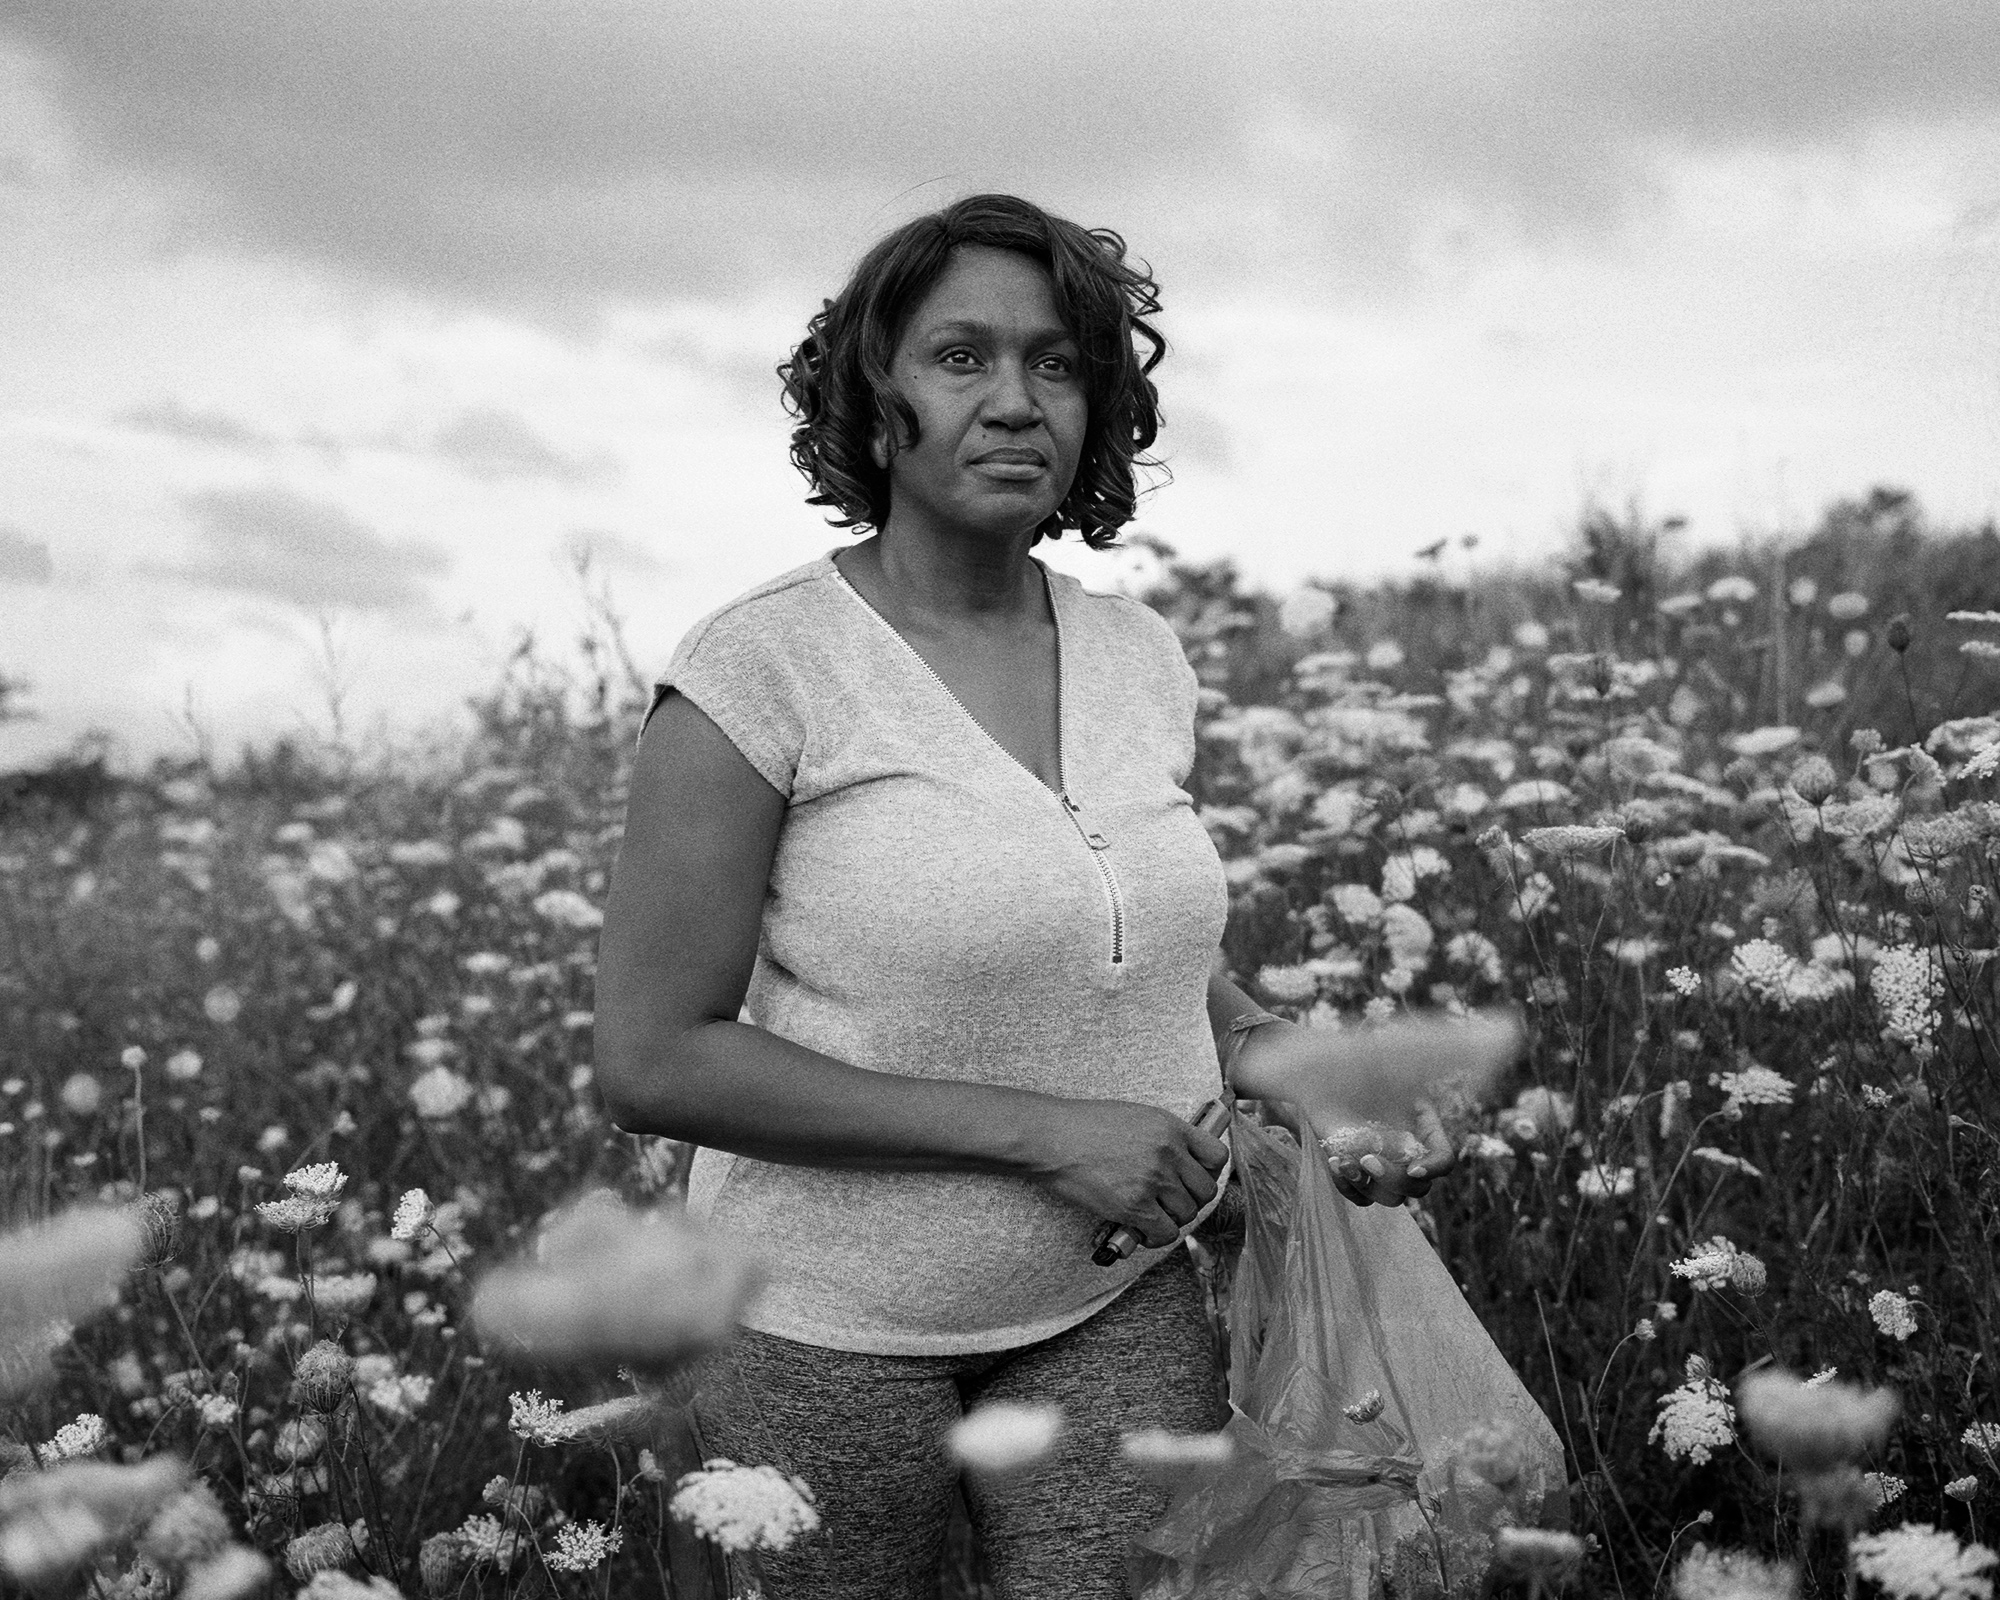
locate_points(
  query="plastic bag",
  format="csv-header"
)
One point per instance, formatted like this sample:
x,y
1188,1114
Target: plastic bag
x,y
1333,1304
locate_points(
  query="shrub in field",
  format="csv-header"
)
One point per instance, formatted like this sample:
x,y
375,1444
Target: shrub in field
x,y
297,1054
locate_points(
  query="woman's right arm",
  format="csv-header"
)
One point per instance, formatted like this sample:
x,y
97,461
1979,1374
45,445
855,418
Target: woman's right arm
x,y
678,946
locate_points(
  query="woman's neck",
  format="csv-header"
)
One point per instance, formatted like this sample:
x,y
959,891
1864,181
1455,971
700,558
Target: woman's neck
x,y
945,583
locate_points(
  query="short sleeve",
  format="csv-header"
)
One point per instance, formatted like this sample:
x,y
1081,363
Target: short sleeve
x,y
734,667
1184,693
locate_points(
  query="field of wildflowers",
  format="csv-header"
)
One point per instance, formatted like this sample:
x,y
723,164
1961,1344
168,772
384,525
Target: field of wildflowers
x,y
327,1275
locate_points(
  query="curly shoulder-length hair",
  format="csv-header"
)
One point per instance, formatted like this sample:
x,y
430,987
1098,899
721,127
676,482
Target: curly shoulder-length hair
x,y
837,380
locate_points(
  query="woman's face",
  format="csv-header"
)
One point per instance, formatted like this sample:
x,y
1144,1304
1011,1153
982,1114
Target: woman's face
x,y
993,377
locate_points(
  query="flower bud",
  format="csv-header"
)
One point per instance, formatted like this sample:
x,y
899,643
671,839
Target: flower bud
x,y
1898,632
442,1564
159,1220
1815,780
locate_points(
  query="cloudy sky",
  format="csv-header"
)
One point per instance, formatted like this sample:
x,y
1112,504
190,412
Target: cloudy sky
x,y
331,332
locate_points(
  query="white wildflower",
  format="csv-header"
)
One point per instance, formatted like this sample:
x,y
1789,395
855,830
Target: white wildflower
x,y
535,1419
440,1093
1886,1487
1571,842
1288,985
1847,606
1893,1314
581,1546
1982,1436
1719,1264
1963,1488
1596,591
1753,1086
1722,1158
1683,981
322,1181
1005,1438
1696,1419
567,907
1706,1574
1907,984
414,1213
1920,1562
1605,1183
744,1508
1358,905
1732,590
74,1440
1763,741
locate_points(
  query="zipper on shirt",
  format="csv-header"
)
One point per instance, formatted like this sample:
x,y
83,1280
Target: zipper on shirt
x,y
1092,836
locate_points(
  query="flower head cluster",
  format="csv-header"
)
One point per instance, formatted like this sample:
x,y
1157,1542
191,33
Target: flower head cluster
x,y
1920,1562
1707,1574
1718,1264
414,1213
1814,1425
74,1440
440,1093
1570,842
537,1420
580,1546
1752,1086
1907,983
1696,1419
1683,981
1004,1439
744,1508
1605,1183
1893,1314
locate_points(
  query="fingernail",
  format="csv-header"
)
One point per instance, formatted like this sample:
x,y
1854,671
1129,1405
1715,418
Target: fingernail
x,y
1376,1165
1420,1172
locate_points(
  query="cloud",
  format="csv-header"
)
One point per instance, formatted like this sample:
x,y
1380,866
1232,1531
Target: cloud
x,y
312,553
179,421
490,443
607,551
506,153
24,560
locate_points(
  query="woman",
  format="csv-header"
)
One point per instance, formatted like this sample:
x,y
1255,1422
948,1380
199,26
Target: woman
x,y
919,802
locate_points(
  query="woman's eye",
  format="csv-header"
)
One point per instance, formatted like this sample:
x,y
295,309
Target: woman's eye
x,y
958,357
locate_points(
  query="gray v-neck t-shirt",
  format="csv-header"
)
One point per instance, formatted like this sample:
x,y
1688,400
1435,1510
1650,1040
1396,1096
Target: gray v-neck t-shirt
x,y
936,910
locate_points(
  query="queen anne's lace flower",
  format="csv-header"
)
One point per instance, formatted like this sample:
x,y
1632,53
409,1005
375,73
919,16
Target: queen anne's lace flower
x,y
1571,842
414,1213
440,1093
1005,1438
1696,1419
1920,1562
1982,1436
296,1213
537,1420
580,1546
1605,1183
1718,1264
1893,1314
1288,985
1707,1574
744,1508
1752,1086
322,1181
1906,982
85,1436
1683,981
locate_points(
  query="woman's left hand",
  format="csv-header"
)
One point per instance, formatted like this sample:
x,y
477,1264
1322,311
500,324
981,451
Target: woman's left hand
x,y
1347,1083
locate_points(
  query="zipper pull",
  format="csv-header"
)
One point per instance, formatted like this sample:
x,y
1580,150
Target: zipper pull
x,y
1091,836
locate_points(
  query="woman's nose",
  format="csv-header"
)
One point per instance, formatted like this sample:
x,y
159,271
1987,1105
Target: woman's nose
x,y
1010,400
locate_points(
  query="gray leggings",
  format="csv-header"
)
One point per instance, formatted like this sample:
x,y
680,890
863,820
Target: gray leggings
x,y
867,1433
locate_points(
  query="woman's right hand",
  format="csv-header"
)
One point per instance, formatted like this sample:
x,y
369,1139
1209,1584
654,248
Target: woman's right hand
x,y
1122,1162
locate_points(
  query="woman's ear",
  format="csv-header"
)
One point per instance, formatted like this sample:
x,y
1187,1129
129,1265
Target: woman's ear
x,y
878,449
